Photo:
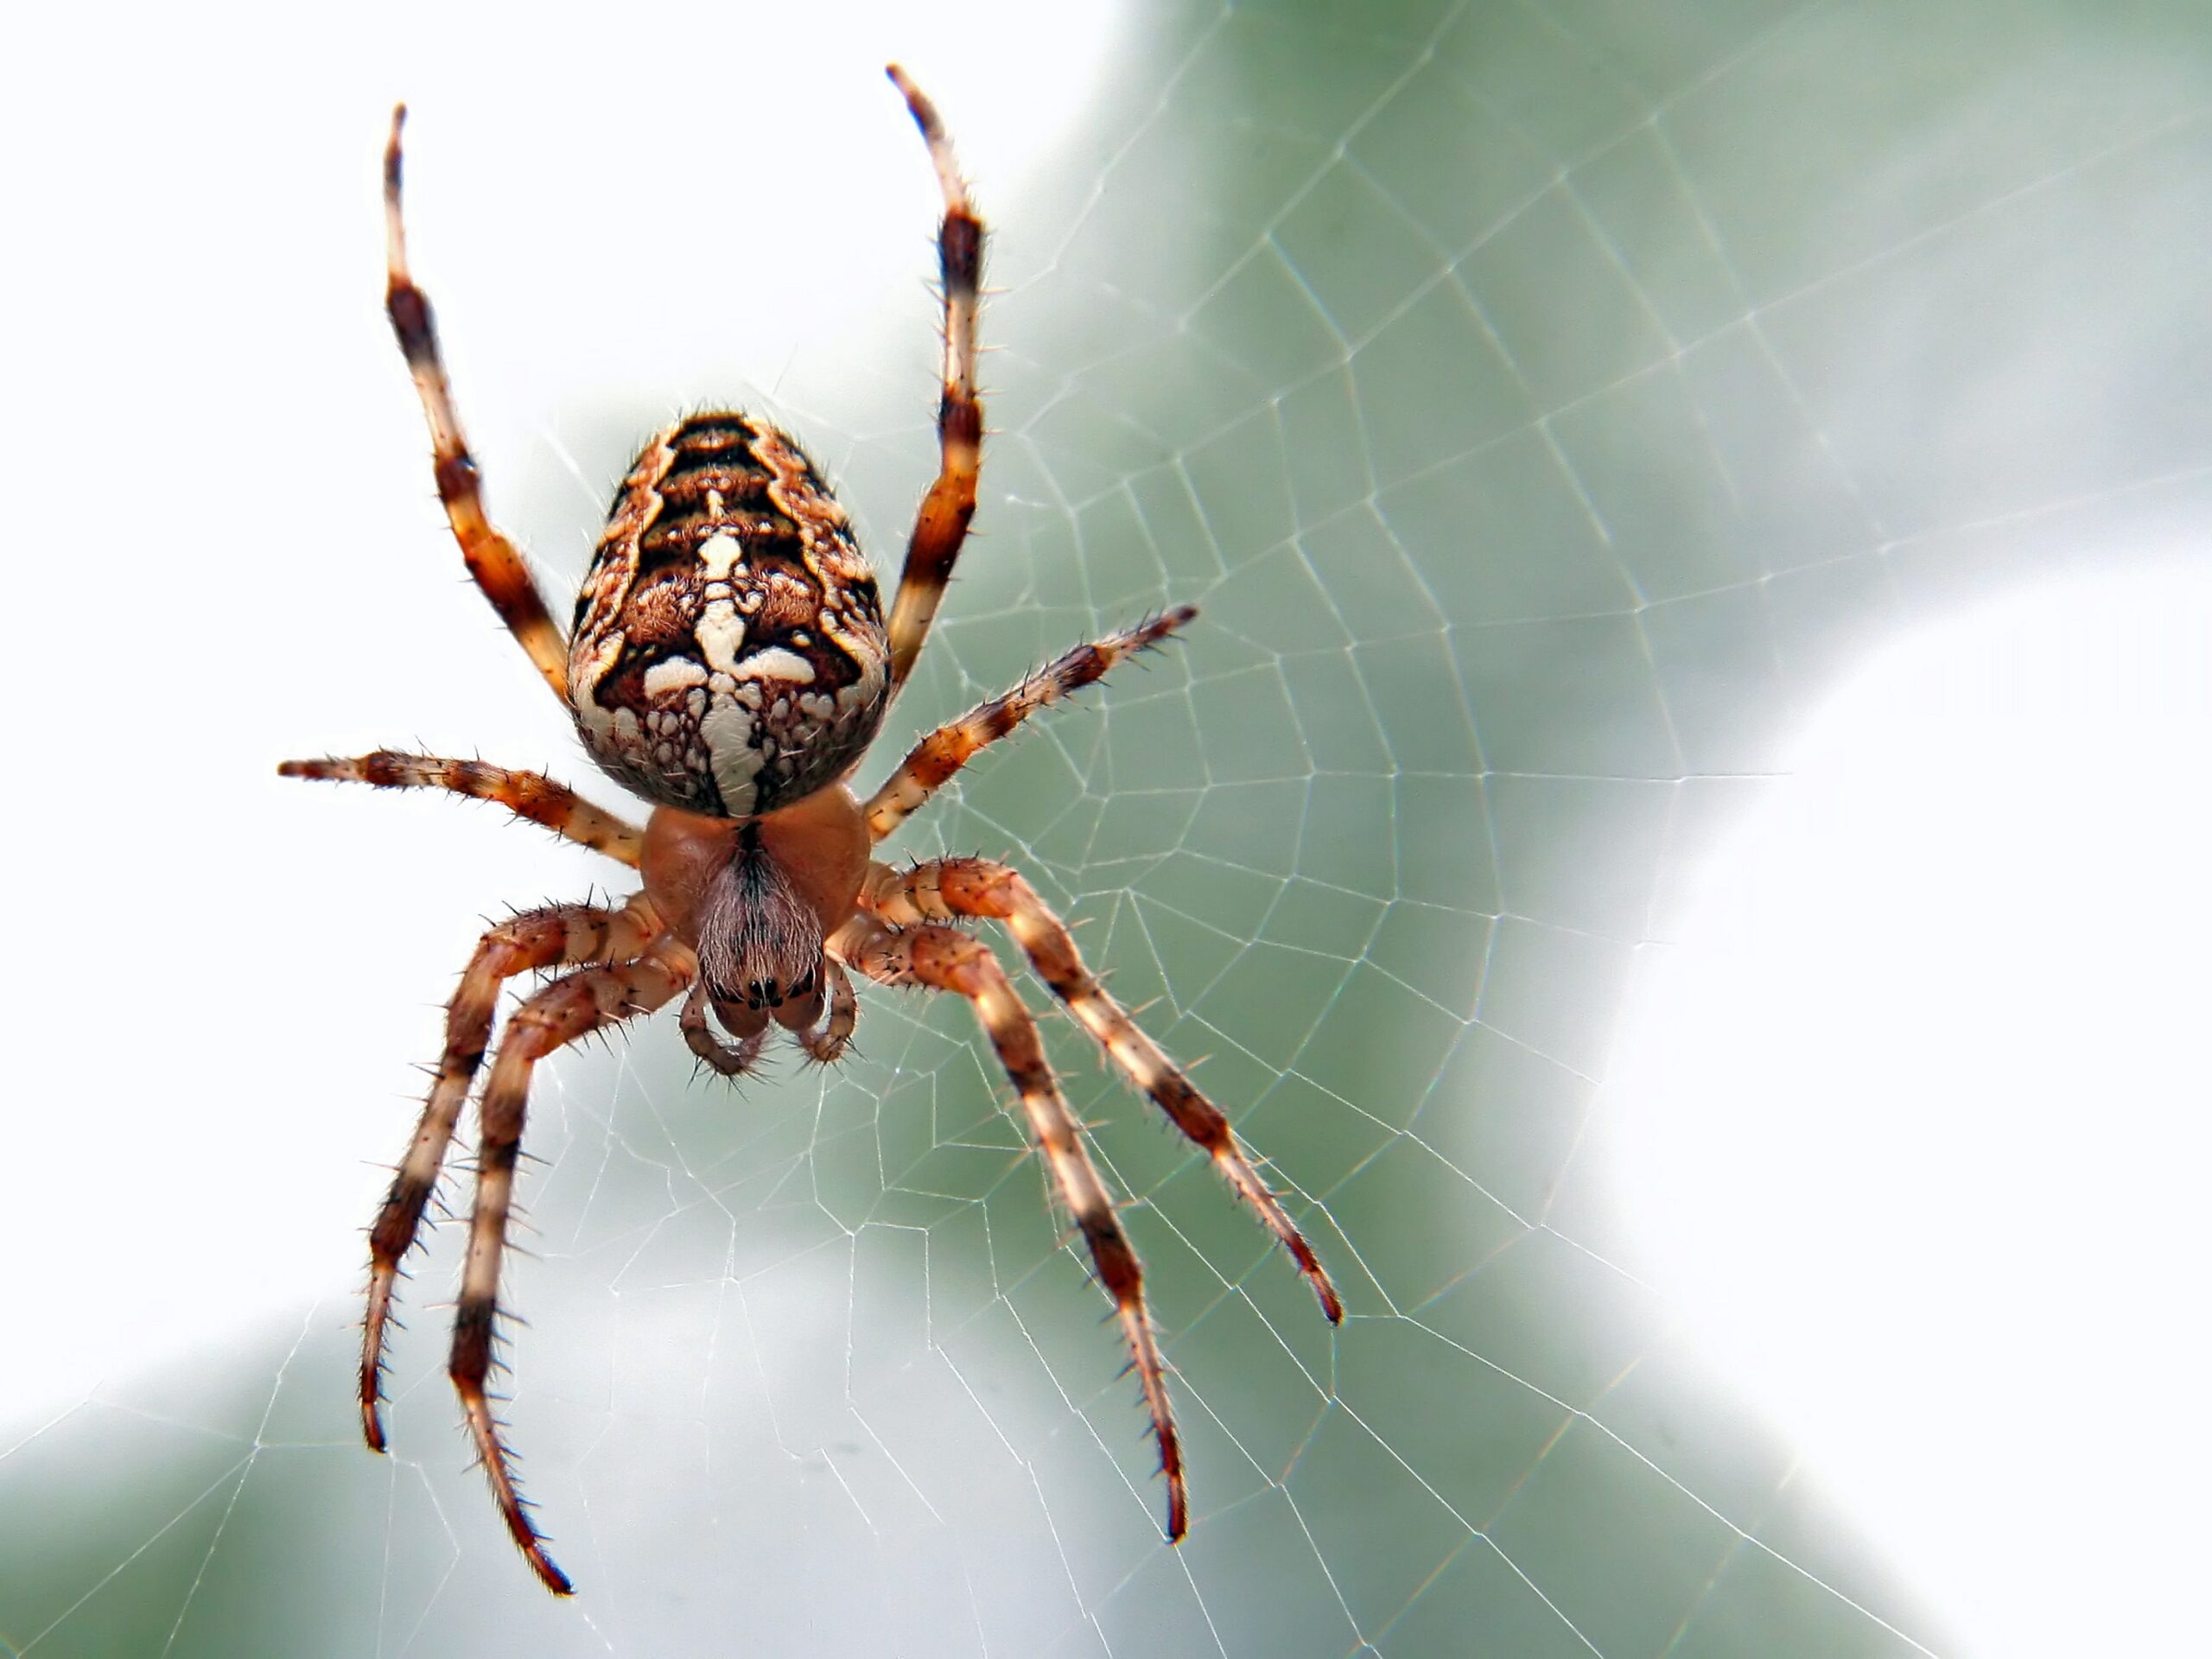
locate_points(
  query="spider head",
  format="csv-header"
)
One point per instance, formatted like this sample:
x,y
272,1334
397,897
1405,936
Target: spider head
x,y
756,899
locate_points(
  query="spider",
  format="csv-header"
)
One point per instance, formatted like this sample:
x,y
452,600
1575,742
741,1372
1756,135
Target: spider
x,y
729,663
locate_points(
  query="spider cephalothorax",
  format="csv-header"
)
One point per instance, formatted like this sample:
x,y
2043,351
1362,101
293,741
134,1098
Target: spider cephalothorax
x,y
729,662
756,899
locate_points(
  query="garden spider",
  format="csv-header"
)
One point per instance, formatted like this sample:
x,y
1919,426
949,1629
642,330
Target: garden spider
x,y
729,662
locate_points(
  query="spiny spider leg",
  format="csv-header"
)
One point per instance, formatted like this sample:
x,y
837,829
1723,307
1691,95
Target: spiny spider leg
x,y
946,959
558,936
950,888
565,1010
493,561
933,760
941,525
527,794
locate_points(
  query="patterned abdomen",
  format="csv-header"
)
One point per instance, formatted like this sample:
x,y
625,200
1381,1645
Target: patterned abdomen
x,y
728,653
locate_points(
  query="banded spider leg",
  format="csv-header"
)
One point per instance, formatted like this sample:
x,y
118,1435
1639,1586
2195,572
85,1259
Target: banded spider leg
x,y
572,1006
956,889
945,959
492,560
556,937
625,965
941,522
903,939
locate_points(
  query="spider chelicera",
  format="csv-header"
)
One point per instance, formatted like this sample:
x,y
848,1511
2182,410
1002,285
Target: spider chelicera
x,y
729,663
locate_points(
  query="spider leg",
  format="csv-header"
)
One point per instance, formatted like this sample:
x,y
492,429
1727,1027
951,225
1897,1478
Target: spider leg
x,y
527,794
557,936
947,888
945,958
568,1008
933,760
493,561
941,525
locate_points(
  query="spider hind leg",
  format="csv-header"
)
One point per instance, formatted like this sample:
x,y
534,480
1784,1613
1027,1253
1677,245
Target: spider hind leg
x,y
944,958
952,888
558,936
570,1007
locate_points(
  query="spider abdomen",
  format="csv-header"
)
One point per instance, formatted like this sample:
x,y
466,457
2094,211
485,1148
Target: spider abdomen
x,y
729,655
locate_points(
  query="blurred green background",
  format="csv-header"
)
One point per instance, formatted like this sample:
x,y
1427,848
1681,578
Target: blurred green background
x,y
1547,405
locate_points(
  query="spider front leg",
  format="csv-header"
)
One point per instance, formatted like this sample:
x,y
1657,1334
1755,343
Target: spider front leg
x,y
492,558
565,1010
949,888
945,959
558,936
941,525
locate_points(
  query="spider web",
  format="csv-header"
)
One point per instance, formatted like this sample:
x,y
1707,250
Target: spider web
x,y
1551,408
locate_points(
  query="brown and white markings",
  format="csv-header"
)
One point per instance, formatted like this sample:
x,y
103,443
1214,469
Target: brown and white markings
x,y
729,662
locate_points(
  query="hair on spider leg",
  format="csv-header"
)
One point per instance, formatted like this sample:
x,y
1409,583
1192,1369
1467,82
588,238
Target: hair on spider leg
x,y
761,1070
535,1255
852,1050
435,1198
524,1155
497,1364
